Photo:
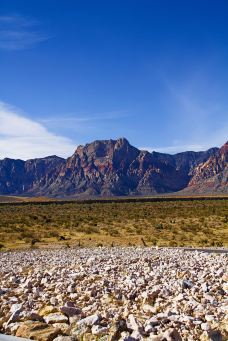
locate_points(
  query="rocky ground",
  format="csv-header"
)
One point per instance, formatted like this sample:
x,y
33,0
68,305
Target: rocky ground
x,y
114,294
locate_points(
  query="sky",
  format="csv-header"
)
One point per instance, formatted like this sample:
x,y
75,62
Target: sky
x,y
154,72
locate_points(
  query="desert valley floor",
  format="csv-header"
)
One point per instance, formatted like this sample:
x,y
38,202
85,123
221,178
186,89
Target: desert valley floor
x,y
112,270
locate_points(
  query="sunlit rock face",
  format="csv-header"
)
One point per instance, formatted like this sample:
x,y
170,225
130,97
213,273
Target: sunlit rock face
x,y
212,175
116,168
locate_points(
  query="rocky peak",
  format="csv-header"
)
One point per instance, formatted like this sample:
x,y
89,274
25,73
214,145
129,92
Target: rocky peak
x,y
98,148
107,149
211,175
115,167
122,142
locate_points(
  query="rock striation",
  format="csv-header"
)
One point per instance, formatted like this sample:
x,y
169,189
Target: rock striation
x,y
32,177
212,175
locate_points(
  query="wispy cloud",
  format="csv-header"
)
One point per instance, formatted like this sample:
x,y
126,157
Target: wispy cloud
x,y
23,138
214,139
175,148
199,110
76,118
18,33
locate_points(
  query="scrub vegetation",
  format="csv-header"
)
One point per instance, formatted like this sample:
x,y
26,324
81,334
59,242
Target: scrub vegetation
x,y
165,223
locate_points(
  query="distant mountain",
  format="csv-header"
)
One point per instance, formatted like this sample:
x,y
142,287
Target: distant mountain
x,y
34,176
211,176
115,168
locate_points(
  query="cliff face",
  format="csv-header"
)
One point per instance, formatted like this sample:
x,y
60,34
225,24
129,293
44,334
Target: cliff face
x,y
32,177
12,176
212,175
113,168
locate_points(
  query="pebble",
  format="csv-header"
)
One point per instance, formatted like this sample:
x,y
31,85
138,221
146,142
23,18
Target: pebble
x,y
89,320
55,318
65,338
118,293
70,311
205,326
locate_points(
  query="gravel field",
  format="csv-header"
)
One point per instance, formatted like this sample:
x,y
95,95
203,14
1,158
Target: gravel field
x,y
114,294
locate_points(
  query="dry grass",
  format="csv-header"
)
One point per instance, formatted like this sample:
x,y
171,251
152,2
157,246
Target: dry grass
x,y
164,223
12,199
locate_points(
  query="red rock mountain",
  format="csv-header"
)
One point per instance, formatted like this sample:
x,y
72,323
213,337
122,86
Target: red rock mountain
x,y
212,175
114,168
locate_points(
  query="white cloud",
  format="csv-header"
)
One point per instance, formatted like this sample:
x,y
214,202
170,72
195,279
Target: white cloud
x,y
215,139
18,33
24,138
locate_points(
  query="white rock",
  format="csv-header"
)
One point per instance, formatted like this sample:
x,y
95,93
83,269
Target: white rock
x,y
98,330
132,323
205,326
209,318
55,318
204,287
89,320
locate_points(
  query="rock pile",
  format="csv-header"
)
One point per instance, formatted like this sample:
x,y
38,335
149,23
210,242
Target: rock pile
x,y
114,294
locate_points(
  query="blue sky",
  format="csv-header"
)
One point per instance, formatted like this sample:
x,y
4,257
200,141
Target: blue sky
x,y
155,72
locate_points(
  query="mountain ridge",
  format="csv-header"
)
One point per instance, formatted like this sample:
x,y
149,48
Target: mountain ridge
x,y
211,174
115,168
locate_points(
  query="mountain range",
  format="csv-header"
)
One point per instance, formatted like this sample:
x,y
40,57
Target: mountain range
x,y
116,168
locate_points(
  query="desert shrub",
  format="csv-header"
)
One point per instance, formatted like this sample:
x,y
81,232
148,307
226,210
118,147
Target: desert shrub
x,y
172,243
159,226
34,241
138,229
225,220
184,219
219,243
53,234
114,233
99,244
60,238
204,241
154,242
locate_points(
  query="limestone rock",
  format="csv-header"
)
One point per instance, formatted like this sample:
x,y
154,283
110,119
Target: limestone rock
x,y
89,320
37,331
55,318
47,310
